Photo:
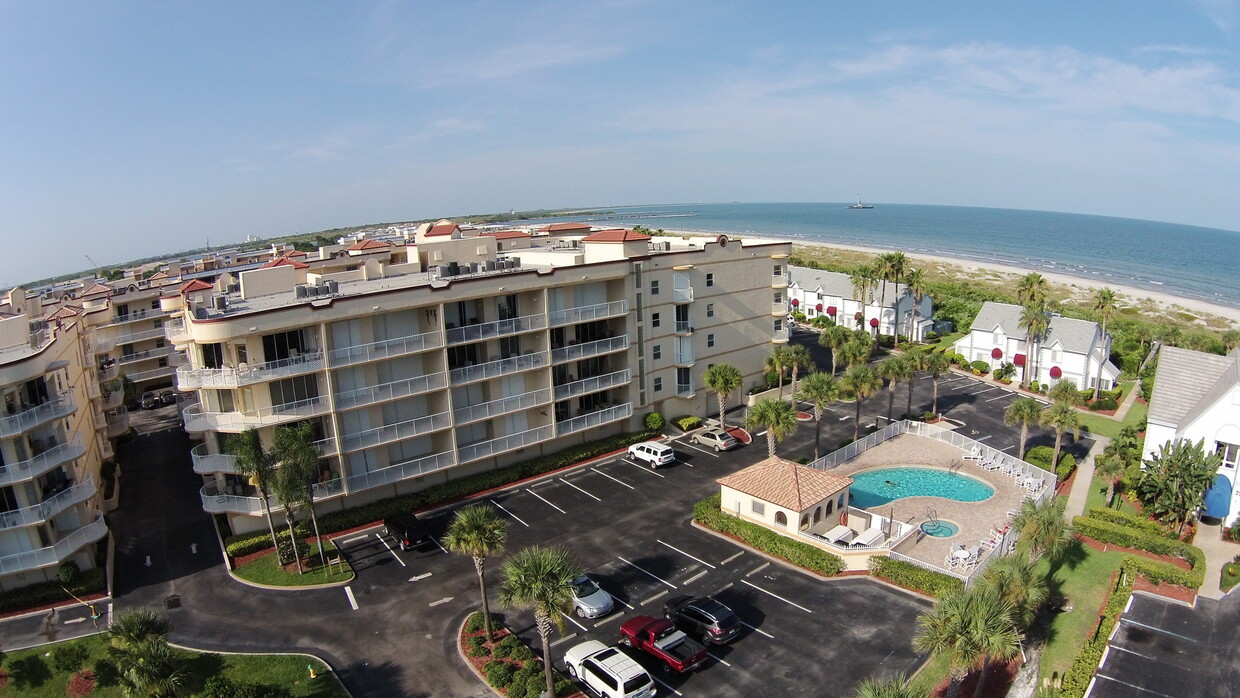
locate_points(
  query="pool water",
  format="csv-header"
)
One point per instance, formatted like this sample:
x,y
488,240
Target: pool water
x,y
873,488
940,529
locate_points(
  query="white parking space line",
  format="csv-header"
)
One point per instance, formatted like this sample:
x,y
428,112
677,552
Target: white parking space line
x,y
544,499
768,593
983,438
649,574
712,656
354,539
668,545
445,550
760,631
643,468
1121,682
696,577
564,639
1005,394
501,508
758,569
579,489
348,591
569,618
667,687
696,448
622,482
726,561
385,544
659,595
607,620
985,390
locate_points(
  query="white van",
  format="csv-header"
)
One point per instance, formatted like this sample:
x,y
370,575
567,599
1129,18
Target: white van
x,y
652,453
608,672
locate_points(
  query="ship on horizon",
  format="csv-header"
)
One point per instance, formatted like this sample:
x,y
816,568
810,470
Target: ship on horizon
x,y
859,204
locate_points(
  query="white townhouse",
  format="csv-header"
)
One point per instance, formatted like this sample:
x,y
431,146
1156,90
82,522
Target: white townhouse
x,y
1072,349
1197,398
830,293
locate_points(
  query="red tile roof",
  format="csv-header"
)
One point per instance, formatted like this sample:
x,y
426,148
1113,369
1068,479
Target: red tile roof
x,y
564,227
195,285
369,245
786,484
285,262
65,312
507,234
295,253
159,276
97,289
615,235
442,229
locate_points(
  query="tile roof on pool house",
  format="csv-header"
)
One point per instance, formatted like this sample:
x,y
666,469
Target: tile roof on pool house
x,y
785,484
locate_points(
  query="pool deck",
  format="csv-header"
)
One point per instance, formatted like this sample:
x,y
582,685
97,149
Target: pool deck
x,y
975,519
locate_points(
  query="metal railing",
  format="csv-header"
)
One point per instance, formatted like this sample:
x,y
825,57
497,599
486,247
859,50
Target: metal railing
x,y
118,423
683,327
684,355
586,313
482,449
394,432
684,389
109,372
504,405
492,369
780,308
100,343
56,553
153,373
593,384
50,507
175,328
132,337
19,422
576,352
42,463
682,295
189,378
594,419
197,419
391,391
780,280
385,349
499,328
143,355
779,335
215,501
205,463
113,399
134,315
400,471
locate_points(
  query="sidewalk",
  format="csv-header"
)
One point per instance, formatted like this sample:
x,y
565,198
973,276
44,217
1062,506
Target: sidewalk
x,y
1126,405
1084,478
1218,553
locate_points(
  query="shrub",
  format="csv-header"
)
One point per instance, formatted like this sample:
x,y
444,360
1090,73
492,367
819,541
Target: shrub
x,y
1067,463
932,336
708,514
475,641
1076,679
474,622
68,572
218,686
106,674
1233,533
288,555
1102,404
981,368
521,653
564,687
1123,518
480,651
1141,538
91,581
929,416
505,647
911,576
654,421
499,674
70,658
687,422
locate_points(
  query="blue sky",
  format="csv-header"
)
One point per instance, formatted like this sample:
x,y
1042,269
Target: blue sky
x,y
130,129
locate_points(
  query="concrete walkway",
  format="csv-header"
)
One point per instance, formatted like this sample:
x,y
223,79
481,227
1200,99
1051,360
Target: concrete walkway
x,y
1084,478
1126,405
1218,553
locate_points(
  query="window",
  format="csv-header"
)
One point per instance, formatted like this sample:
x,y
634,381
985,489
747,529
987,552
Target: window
x,y
654,287
779,324
779,270
817,514
710,310
781,519
759,508
654,319
658,385
778,297
830,508
710,279
805,522
1056,355
656,352
997,339
710,340
1230,454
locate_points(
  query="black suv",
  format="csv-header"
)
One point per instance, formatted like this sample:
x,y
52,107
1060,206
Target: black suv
x,y
408,531
703,617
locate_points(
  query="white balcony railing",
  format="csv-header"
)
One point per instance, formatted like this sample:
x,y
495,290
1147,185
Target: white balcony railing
x,y
683,327
386,349
593,384
152,374
502,367
587,313
101,343
394,432
506,405
118,423
56,553
779,280
50,507
206,463
483,449
198,420
684,389
113,399
780,335
594,419
582,351
175,331
780,308
682,295
109,372
144,335
391,391
499,328
189,378
398,472
217,501
19,422
143,355
134,315
42,463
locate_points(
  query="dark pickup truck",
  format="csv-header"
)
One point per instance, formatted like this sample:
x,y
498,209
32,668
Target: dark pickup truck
x,y
658,637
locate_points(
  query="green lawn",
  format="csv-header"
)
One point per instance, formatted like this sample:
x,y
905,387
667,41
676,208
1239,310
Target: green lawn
x,y
1109,427
33,673
1230,575
1098,494
1084,578
267,570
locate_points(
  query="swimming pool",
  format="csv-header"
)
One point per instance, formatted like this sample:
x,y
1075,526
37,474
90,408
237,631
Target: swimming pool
x,y
940,529
872,488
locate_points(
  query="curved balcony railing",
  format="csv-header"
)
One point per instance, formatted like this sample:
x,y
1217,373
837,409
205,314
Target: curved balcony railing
x,y
594,419
134,315
780,308
682,295
198,420
394,432
56,553
401,471
144,335
391,391
175,330
113,399
101,343
593,384
109,372
492,369
19,422
587,313
47,509
143,355
190,378
780,280
499,328
385,349
218,501
152,374
483,449
584,351
502,406
206,463
42,463
779,335
118,423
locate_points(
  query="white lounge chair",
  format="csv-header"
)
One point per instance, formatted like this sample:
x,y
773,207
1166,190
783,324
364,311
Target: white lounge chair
x,y
870,537
975,454
1034,484
839,534
992,464
1008,467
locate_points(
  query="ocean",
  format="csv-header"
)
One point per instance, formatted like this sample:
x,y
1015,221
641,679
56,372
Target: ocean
x,y
1181,260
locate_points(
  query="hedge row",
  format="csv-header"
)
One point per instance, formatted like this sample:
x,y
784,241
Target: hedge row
x,y
1124,518
1157,571
91,581
911,576
1076,678
1154,570
366,514
708,514
1041,456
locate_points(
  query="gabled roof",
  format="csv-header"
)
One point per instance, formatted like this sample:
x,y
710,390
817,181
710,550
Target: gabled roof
x,y
1072,334
294,253
616,235
195,285
836,284
159,276
285,262
65,312
786,484
442,228
565,227
1188,382
369,246
507,234
96,290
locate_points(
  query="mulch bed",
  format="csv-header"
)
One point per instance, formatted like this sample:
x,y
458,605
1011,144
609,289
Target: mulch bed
x,y
998,681
740,434
4,679
49,606
82,683
1066,485
478,662
1170,591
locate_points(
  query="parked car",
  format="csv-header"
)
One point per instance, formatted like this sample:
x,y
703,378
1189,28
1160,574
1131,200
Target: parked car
x,y
652,453
662,640
702,617
408,530
608,672
167,398
717,438
589,600
149,400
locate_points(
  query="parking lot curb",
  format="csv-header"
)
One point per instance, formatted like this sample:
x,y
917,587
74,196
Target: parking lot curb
x,y
334,674
309,587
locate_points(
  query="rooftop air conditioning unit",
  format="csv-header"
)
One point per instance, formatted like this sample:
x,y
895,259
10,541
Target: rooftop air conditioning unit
x,y
333,286
299,292
219,302
515,262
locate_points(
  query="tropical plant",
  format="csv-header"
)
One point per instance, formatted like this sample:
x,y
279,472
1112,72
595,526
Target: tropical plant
x,y
724,379
1006,370
478,531
777,361
797,358
1062,418
917,363
294,449
541,579
862,381
1110,466
918,288
819,390
855,352
894,369
1174,482
255,463
1042,529
153,669
1023,411
898,687
1034,319
1104,306
131,628
937,365
778,417
833,338
1065,392
971,628
1016,579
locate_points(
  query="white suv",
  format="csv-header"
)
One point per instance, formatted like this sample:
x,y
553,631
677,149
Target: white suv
x,y
652,453
608,672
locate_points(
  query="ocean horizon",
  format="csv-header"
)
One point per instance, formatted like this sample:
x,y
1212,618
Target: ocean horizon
x,y
1182,260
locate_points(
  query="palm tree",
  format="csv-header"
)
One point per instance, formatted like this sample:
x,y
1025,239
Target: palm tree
x,y
797,358
833,338
899,687
724,379
152,669
969,627
855,352
917,362
937,365
479,532
863,282
1032,289
1015,579
819,390
778,417
1111,467
1023,411
777,361
257,465
918,288
883,272
894,369
1035,321
131,628
295,450
541,579
862,381
1065,392
1061,418
1042,528
1104,305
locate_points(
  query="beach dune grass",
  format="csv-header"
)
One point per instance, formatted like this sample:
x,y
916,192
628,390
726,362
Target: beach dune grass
x,y
267,570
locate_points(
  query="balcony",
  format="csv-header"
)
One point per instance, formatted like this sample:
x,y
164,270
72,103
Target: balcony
x,y
206,463
176,331
401,471
199,420
780,336
118,423
682,295
113,399
780,280
144,335
503,444
106,450
683,327
506,405
143,355
684,390
101,343
178,358
190,378
577,352
502,367
386,349
391,391
52,458
593,384
684,355
15,424
499,328
394,432
134,315
594,419
56,553
47,509
152,374
217,501
780,308
109,372
588,313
